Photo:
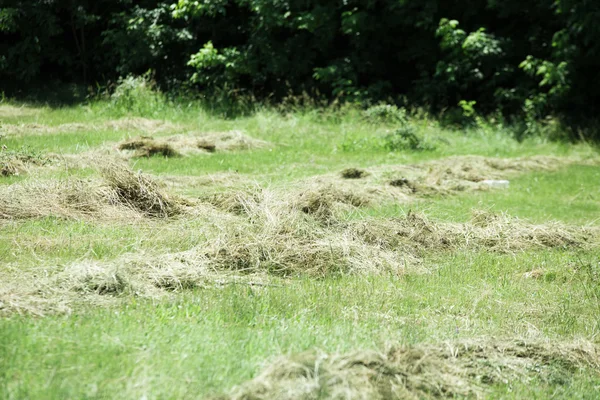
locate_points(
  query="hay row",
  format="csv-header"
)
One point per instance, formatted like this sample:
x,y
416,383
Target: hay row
x,y
148,126
467,368
179,145
121,194
270,238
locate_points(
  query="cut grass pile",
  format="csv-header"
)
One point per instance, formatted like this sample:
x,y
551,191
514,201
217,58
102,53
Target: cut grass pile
x,y
148,126
189,144
271,237
17,162
446,176
466,368
120,194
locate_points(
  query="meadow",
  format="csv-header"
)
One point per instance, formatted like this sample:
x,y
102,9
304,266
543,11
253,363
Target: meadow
x,y
169,251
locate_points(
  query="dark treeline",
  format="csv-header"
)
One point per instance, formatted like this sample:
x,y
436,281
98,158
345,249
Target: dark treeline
x,y
524,59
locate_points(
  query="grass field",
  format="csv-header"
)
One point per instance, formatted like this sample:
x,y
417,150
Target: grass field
x,y
298,254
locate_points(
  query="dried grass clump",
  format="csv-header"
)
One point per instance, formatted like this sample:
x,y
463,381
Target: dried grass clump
x,y
121,194
232,141
353,173
39,199
39,129
16,162
275,237
468,368
497,232
139,192
144,146
11,167
186,144
147,126
237,201
94,278
322,200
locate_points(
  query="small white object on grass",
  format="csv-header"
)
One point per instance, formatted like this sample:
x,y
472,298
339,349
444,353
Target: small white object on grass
x,y
501,184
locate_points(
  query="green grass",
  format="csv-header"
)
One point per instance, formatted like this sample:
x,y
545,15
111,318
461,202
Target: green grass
x,y
570,195
194,343
203,341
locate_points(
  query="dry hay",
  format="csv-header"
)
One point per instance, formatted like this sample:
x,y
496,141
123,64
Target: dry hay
x,y
270,236
148,126
353,173
17,162
145,125
415,233
7,111
145,146
121,193
440,177
469,368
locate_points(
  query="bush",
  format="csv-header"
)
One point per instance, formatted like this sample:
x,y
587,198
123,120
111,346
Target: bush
x,y
406,138
386,114
137,95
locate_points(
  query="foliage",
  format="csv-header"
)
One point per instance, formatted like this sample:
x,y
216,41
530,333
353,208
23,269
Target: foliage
x,y
406,138
385,113
137,95
523,60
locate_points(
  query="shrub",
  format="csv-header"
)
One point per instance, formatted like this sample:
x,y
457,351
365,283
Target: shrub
x,y
386,114
405,138
138,95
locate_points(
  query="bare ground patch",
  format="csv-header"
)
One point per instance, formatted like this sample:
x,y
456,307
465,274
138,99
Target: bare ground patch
x,y
469,368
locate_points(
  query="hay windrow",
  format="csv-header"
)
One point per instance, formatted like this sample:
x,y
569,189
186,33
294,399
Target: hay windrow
x,y
145,125
19,161
144,146
489,231
121,193
441,177
468,368
187,144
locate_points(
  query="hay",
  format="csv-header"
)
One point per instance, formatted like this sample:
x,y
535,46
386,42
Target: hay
x,y
96,278
147,126
17,162
468,368
189,144
417,234
8,111
139,192
404,183
271,237
144,146
353,173
121,194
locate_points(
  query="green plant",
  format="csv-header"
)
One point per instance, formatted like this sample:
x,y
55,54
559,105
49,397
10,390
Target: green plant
x,y
406,138
138,95
386,114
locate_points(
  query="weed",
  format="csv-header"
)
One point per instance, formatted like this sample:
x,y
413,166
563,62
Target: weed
x,y
406,138
385,114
